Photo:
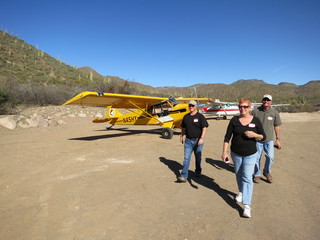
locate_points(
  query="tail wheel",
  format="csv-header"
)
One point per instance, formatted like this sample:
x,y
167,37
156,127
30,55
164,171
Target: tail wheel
x,y
167,133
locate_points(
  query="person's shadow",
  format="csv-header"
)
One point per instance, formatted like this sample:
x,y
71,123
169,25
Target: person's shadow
x,y
205,181
218,164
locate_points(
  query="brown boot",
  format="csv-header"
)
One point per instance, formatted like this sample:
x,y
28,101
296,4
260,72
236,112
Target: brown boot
x,y
256,179
181,179
268,177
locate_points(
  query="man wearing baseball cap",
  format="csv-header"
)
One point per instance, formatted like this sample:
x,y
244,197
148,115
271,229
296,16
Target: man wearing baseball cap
x,y
271,122
193,126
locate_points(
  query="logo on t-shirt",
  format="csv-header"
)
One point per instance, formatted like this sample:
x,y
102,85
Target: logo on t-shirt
x,y
252,125
196,120
270,118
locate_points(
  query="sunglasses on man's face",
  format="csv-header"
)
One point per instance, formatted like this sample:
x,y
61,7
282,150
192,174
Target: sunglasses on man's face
x,y
266,99
244,107
190,105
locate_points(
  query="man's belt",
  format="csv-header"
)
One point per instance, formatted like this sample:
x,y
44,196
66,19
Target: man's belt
x,y
193,139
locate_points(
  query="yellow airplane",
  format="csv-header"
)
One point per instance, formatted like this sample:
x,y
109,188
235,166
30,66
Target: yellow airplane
x,y
123,109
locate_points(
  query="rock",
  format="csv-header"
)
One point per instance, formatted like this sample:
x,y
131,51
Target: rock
x,y
23,125
48,116
61,122
32,122
82,115
53,122
98,115
8,122
42,122
57,115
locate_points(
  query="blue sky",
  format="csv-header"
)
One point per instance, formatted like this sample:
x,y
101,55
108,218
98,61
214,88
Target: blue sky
x,y
176,42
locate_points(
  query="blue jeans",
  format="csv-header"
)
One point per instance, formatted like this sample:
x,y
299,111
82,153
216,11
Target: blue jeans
x,y
269,153
189,147
244,167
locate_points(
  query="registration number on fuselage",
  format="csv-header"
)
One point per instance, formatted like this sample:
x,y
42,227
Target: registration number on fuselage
x,y
129,119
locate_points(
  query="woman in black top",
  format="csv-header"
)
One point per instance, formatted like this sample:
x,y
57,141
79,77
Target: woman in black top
x,y
245,130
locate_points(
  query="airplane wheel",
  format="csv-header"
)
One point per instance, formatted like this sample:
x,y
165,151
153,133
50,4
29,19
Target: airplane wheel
x,y
224,117
167,133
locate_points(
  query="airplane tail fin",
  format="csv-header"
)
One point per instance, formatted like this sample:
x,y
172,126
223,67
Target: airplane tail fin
x,y
112,112
111,115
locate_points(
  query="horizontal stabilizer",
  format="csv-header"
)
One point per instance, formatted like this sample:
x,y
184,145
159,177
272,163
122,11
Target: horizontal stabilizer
x,y
100,120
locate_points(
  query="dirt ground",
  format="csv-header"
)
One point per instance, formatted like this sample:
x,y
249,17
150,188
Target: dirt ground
x,y
80,181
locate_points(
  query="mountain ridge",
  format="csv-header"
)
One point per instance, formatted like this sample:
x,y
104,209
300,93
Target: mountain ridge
x,y
27,70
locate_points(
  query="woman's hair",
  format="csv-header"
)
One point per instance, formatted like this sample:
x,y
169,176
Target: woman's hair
x,y
245,100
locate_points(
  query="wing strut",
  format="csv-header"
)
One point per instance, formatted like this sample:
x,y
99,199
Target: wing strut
x,y
146,114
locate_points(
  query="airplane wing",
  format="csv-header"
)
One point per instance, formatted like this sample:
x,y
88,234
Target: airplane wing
x,y
217,102
280,105
114,100
199,100
256,105
121,100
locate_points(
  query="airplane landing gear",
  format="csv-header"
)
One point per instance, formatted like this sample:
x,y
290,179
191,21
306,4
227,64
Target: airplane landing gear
x,y
167,133
108,128
223,117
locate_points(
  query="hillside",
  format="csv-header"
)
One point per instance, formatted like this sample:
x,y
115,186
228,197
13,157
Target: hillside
x,y
30,76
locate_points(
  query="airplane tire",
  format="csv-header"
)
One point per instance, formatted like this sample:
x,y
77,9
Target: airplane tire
x,y
224,117
167,133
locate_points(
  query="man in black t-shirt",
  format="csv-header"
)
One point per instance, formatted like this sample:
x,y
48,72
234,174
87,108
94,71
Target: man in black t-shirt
x,y
194,126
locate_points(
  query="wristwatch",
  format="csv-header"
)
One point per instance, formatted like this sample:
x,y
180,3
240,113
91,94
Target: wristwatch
x,y
277,138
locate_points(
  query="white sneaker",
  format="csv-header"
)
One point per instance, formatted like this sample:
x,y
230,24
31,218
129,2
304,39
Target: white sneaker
x,y
238,198
246,211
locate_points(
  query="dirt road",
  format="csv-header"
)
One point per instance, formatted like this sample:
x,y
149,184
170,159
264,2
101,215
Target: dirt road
x,y
79,181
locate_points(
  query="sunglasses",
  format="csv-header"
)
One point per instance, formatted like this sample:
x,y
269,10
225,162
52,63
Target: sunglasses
x,y
266,99
244,107
190,105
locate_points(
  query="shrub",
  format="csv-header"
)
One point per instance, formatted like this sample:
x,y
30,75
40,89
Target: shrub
x,y
5,104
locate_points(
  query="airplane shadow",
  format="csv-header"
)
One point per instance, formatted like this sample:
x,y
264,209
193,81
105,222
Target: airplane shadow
x,y
205,181
125,131
218,164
